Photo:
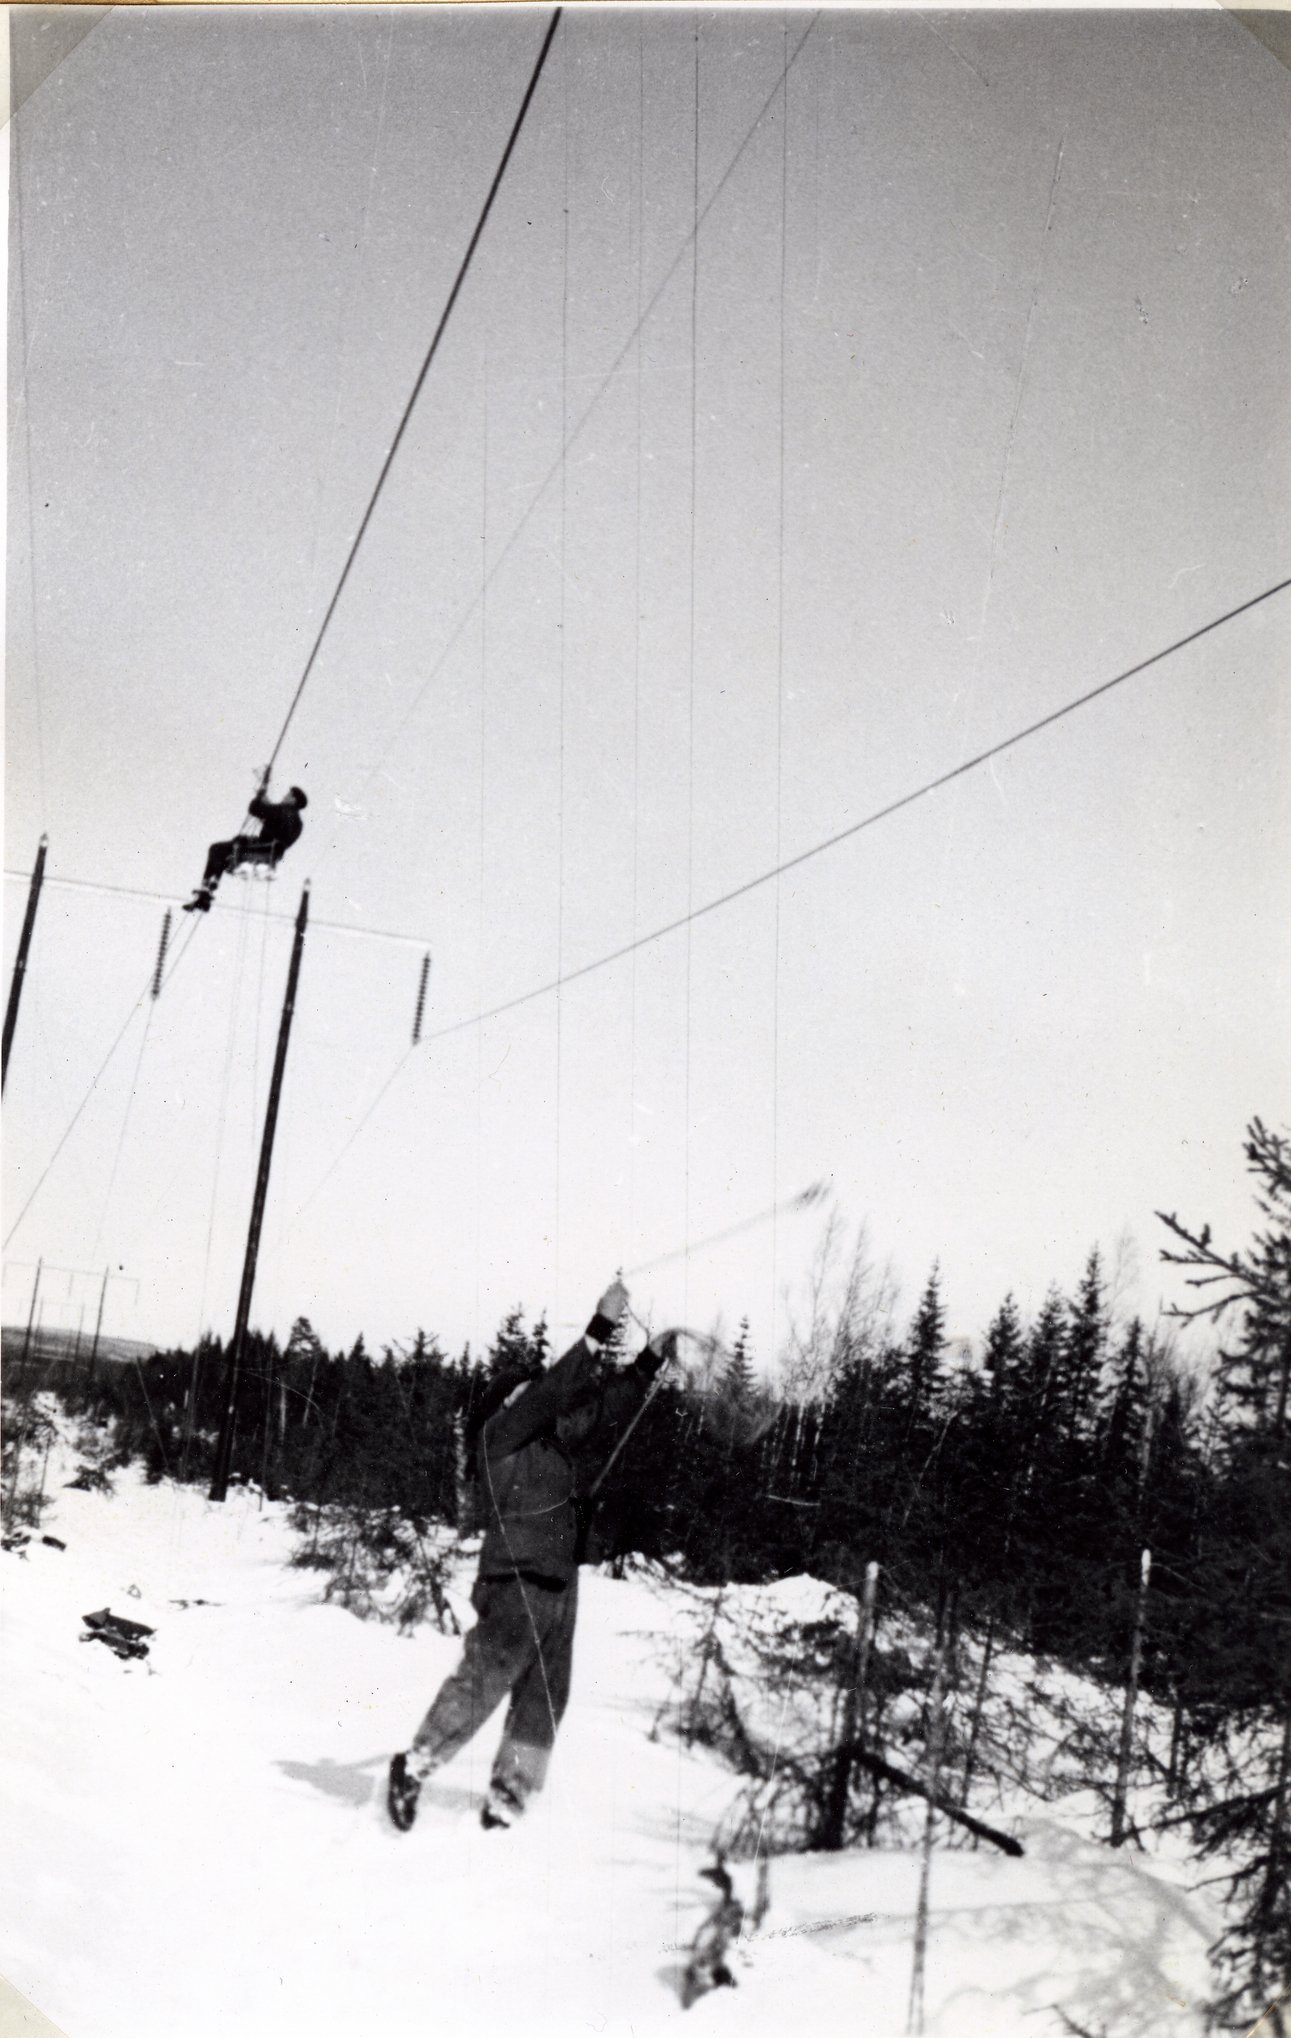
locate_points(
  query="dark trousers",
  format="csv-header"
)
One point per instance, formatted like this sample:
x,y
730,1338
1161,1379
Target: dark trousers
x,y
222,857
522,1644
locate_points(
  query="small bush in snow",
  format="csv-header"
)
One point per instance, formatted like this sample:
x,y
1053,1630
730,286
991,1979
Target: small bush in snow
x,y
380,1564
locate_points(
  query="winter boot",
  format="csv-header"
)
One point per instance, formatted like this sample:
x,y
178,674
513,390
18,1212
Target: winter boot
x,y
200,901
402,1793
501,1807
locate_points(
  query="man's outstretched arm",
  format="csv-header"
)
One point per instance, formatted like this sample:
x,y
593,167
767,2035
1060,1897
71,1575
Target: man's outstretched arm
x,y
553,1392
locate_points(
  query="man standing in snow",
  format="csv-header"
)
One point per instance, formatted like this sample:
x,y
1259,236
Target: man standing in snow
x,y
526,1589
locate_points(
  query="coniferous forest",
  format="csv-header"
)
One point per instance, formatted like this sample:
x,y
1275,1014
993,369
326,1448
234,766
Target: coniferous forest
x,y
1009,1493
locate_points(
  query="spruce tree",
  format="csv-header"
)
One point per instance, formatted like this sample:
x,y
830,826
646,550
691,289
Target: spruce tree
x,y
1124,1424
1081,1353
924,1346
1239,1619
1255,1377
739,1381
1003,1352
301,1361
510,1346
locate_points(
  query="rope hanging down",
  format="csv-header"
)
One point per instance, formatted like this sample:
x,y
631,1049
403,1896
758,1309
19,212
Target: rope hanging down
x,y
422,373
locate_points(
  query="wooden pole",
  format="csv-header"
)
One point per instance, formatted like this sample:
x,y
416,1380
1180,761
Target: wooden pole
x,y
936,1742
978,1703
220,1481
835,1820
31,1313
1131,1695
1266,1978
20,963
887,1772
98,1321
12,1501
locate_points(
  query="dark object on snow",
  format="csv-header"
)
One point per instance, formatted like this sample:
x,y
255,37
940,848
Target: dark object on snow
x,y
402,1793
707,1967
125,1638
16,1541
53,1542
904,1781
501,1808
90,1479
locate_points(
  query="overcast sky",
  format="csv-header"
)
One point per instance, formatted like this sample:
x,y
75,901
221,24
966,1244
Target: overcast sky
x,y
970,392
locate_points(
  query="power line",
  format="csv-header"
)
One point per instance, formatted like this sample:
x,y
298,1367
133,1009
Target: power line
x,y
869,820
326,1177
779,680
422,373
75,1117
95,1080
693,576
490,574
221,1120
83,884
725,898
605,383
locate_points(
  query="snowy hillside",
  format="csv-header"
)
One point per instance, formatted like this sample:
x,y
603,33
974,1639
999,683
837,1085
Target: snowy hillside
x,y
197,1843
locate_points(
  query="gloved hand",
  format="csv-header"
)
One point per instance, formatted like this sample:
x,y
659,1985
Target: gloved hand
x,y
610,1312
661,1348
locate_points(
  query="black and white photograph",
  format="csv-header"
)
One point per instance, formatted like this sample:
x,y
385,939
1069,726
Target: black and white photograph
x,y
647,1043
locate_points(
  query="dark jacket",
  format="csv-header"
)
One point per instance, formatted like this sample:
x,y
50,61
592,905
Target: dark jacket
x,y
280,823
531,1453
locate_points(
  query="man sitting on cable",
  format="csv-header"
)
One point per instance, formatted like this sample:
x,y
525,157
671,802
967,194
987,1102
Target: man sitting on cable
x,y
280,826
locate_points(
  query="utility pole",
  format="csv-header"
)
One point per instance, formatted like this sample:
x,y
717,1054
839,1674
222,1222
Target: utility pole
x,y
1125,1752
31,1313
45,1267
834,1823
20,964
224,1458
11,1501
98,1321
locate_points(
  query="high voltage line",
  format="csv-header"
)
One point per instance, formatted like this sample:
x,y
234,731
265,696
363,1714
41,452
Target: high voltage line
x,y
422,373
604,383
693,913
869,820
727,898
84,884
792,863
97,1077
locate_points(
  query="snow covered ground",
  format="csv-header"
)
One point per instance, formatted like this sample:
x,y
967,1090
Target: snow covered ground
x,y
196,1843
